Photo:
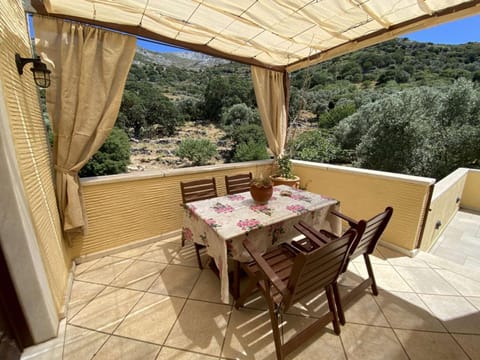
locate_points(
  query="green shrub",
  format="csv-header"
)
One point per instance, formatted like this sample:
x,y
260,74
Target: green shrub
x,y
332,117
112,157
198,151
239,114
249,151
315,145
248,132
249,143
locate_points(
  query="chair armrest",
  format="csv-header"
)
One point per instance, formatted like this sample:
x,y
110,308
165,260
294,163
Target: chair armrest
x,y
329,234
299,245
265,267
352,222
311,233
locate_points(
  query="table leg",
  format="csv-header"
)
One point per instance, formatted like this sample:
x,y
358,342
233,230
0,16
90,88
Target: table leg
x,y
236,279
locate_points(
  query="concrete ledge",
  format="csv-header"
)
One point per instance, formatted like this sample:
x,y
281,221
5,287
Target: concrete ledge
x,y
152,174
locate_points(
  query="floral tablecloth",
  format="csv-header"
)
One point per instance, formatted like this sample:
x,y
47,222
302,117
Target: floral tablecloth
x,y
222,223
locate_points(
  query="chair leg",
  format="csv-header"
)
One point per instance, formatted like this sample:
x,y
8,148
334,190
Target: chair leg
x,y
370,274
333,309
274,321
197,251
338,303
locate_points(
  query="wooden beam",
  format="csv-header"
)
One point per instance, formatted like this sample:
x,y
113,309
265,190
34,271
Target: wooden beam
x,y
425,21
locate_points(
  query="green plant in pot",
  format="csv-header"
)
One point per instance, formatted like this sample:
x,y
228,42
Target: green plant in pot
x,y
261,189
284,174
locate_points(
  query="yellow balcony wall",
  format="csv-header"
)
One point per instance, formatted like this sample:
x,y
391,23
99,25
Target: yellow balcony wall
x,y
364,193
471,192
25,144
124,209
460,189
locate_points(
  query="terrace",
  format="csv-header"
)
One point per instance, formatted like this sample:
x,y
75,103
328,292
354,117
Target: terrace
x,y
110,292
156,304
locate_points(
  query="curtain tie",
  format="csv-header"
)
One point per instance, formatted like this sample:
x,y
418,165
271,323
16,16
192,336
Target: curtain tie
x,y
66,171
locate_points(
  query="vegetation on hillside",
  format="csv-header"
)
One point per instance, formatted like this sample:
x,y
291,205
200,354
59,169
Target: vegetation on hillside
x,y
399,106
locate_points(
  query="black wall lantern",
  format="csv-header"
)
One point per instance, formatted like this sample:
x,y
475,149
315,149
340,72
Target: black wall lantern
x,y
41,74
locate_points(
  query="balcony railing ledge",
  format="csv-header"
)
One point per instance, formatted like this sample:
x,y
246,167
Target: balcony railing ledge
x,y
448,181
149,174
367,172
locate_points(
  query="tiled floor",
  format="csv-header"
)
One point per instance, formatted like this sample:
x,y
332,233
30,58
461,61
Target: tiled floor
x,y
460,242
154,303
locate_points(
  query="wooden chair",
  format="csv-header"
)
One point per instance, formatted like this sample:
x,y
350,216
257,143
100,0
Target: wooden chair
x,y
198,190
285,276
368,234
238,183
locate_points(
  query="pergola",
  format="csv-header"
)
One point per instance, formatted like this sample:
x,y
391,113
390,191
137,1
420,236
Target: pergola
x,y
281,35
274,37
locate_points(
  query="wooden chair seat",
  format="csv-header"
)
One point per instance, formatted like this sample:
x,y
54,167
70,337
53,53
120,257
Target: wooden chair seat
x,y
285,275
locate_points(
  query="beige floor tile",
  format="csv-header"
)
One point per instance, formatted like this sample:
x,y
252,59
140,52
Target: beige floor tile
x,y
207,288
351,277
456,313
107,310
386,276
470,344
450,254
474,300
249,336
364,310
80,268
201,327
175,280
139,276
133,252
407,311
173,354
122,348
81,294
162,251
315,305
371,343
375,258
105,270
81,344
426,281
397,259
421,345
472,261
187,257
151,319
325,342
464,285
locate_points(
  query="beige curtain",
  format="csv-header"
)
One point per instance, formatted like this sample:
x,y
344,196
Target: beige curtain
x,y
271,93
89,68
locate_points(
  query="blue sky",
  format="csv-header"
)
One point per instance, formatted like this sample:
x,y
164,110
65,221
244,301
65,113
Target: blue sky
x,y
456,32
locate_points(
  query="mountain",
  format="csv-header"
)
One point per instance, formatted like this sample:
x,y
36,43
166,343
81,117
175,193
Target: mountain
x,y
181,59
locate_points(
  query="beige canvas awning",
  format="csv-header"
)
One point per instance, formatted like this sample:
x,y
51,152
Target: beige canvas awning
x,y
278,35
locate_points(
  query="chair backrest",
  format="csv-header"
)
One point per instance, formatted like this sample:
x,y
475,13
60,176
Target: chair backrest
x,y
369,232
238,183
198,190
315,270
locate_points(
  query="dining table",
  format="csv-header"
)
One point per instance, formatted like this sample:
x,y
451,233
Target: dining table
x,y
222,223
